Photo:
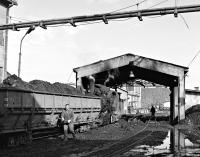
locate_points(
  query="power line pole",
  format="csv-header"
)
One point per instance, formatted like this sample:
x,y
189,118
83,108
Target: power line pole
x,y
104,17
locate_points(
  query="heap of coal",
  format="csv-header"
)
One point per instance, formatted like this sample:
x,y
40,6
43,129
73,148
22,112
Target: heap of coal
x,y
193,115
43,86
193,109
15,82
38,85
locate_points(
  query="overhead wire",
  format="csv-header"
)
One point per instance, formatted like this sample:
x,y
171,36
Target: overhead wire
x,y
69,76
182,17
158,16
15,20
155,16
130,6
198,52
137,4
184,20
60,25
126,19
89,23
157,4
19,18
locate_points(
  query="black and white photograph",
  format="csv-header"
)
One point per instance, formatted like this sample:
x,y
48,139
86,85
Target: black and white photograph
x,y
99,78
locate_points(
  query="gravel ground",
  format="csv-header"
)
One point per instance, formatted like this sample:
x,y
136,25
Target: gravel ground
x,y
102,140
91,141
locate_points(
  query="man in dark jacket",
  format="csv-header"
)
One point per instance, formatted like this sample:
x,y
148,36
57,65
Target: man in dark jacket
x,y
153,110
67,117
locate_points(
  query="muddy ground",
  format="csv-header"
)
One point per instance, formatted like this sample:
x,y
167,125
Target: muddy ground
x,y
101,141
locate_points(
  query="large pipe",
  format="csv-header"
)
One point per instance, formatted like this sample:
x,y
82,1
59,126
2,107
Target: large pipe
x,y
105,16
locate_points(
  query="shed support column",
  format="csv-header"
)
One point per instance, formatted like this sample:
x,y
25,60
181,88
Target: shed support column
x,y
173,104
176,104
181,98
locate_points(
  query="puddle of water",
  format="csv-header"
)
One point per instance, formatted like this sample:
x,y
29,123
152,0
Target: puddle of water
x,y
175,144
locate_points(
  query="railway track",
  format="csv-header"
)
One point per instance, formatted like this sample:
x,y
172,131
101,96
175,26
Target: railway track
x,y
124,145
24,137
46,133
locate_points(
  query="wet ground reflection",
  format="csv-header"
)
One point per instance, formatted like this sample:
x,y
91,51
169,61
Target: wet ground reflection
x,y
175,144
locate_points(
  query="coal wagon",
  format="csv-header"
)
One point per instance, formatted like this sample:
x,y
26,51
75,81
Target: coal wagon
x,y
24,114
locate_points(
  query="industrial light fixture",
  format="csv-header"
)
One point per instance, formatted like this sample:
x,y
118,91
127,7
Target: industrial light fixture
x,y
131,74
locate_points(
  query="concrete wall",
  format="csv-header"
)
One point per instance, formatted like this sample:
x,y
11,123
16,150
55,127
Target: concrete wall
x,y
3,16
192,98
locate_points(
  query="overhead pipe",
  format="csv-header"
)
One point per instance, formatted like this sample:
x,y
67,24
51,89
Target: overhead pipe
x,y
105,17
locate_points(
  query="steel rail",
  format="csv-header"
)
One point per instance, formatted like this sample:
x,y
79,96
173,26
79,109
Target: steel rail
x,y
104,17
128,147
118,142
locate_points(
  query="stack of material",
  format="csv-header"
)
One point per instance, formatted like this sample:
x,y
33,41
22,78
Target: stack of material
x,y
57,87
15,82
193,109
39,85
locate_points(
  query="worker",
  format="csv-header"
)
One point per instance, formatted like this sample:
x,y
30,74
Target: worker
x,y
67,117
153,110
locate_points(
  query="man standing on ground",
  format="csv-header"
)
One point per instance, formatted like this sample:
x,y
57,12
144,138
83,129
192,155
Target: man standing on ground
x,y
153,110
67,117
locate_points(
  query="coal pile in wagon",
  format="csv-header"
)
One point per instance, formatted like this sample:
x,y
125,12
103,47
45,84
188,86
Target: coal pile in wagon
x,y
15,82
38,85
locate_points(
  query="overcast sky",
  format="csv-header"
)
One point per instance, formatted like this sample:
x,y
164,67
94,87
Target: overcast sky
x,y
51,54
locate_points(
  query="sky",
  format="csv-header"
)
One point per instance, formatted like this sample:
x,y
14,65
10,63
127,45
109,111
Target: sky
x,y
51,54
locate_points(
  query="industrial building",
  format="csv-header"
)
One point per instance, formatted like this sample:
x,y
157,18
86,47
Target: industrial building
x,y
130,69
5,6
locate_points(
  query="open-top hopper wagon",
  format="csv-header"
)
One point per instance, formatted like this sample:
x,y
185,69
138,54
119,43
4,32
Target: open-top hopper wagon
x,y
25,114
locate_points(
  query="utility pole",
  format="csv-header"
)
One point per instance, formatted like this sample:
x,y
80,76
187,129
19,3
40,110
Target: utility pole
x,y
104,17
